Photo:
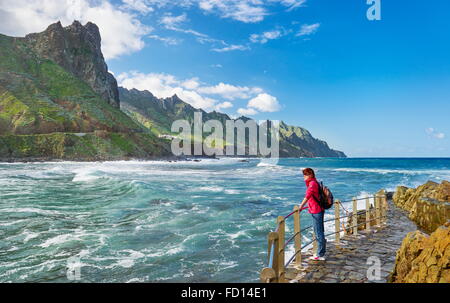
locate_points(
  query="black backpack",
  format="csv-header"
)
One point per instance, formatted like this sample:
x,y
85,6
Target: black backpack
x,y
326,198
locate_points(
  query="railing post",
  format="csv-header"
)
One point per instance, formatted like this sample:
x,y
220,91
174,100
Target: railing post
x,y
377,210
298,237
281,233
368,213
385,206
337,222
276,247
269,274
355,217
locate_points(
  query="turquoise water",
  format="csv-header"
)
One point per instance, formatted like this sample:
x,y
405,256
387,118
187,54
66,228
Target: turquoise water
x,y
136,221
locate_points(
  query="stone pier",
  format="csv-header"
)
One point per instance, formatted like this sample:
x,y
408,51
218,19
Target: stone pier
x,y
348,262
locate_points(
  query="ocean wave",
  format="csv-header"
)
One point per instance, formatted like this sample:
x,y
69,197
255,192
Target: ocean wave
x,y
267,164
215,189
394,171
232,191
31,210
29,235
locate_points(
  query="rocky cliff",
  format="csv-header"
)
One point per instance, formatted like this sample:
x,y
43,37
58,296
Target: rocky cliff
x,y
56,101
296,141
423,258
428,205
77,49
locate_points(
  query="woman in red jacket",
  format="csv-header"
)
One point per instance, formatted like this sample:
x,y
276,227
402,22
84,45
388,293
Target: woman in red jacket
x,y
316,211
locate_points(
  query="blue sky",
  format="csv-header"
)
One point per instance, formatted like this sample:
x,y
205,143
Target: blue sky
x,y
369,88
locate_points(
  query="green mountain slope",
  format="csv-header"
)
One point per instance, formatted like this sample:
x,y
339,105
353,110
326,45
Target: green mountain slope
x,y
158,115
43,105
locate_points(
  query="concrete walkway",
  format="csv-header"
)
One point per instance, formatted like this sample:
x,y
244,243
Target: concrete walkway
x,y
348,262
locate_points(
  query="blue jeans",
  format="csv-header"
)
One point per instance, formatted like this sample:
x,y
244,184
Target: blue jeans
x,y
319,232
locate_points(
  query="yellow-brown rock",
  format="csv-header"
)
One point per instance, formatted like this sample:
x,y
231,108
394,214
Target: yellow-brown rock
x,y
424,259
428,205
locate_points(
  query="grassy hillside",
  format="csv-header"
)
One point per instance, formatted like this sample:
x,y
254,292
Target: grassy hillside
x,y
39,97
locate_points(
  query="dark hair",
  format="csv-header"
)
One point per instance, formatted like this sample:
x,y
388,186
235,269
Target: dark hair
x,y
309,172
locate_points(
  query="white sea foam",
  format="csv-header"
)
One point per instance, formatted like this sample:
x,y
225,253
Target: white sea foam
x,y
215,189
228,264
133,254
241,233
29,235
175,250
395,171
265,164
57,240
76,235
84,175
126,263
137,280
31,210
12,222
232,191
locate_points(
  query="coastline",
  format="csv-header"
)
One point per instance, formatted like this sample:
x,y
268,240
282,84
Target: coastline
x,y
167,159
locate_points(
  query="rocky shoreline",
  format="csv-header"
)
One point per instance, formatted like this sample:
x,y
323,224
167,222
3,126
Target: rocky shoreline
x,y
424,256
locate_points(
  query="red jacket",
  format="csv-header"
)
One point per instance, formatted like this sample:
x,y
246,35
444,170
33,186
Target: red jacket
x,y
312,190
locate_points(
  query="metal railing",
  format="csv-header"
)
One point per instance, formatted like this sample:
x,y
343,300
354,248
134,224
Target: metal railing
x,y
276,269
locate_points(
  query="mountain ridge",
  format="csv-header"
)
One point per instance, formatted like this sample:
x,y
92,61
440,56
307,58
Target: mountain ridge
x,y
145,107
58,101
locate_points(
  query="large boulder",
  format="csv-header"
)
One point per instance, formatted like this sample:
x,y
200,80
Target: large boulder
x,y
428,205
424,259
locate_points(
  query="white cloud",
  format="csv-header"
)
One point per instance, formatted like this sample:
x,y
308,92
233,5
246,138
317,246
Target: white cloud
x,y
435,134
121,30
194,92
248,11
169,21
191,83
264,103
224,105
166,40
266,36
247,111
308,29
230,48
305,30
230,92
291,4
174,22
164,86
261,103
137,5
